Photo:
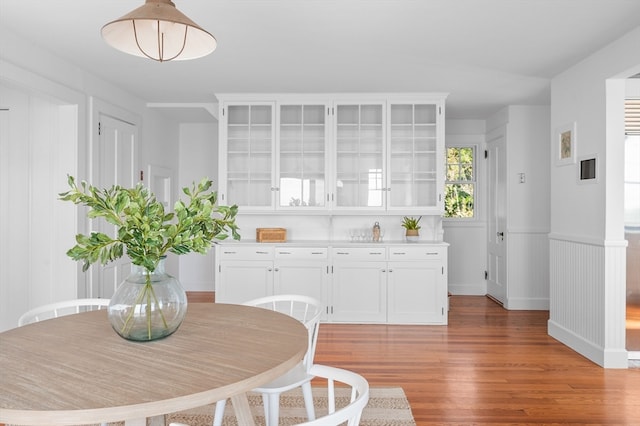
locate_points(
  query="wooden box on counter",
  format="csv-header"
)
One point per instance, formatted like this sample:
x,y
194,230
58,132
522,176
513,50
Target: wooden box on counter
x,y
271,235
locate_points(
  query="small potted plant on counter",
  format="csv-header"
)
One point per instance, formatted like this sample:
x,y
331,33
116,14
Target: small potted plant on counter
x,y
411,224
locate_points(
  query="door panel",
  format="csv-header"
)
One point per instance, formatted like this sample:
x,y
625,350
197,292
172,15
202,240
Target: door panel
x,y
496,229
114,162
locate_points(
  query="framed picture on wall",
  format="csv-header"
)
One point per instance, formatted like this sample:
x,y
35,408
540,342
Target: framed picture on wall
x,y
566,144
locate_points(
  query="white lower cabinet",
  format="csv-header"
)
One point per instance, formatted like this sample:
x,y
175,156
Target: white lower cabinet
x,y
358,292
248,272
417,285
242,281
395,284
414,294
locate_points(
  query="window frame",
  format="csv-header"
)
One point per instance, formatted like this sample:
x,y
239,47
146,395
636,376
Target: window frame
x,y
475,182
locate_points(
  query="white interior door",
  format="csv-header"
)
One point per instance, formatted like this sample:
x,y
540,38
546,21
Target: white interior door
x,y
497,223
114,162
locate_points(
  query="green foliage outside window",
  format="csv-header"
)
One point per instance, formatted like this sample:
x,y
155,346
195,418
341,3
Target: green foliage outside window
x,y
460,185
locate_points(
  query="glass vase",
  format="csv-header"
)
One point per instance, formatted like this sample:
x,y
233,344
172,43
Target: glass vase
x,y
147,305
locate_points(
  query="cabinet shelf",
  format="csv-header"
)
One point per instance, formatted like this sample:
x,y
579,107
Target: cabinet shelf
x,y
410,125
289,152
302,125
410,153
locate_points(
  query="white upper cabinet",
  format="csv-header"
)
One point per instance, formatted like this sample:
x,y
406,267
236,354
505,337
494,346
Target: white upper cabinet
x,y
416,156
355,153
247,155
359,180
302,156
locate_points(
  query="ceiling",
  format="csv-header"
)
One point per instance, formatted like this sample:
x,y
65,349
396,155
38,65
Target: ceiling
x,y
485,53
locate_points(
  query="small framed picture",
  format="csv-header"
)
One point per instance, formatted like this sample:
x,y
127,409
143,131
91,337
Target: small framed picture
x,y
566,144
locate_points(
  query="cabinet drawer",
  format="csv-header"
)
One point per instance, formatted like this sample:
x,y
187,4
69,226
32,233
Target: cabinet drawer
x,y
416,253
246,252
306,253
359,253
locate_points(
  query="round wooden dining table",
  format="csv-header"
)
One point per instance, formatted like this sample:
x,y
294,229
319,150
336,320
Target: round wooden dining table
x,y
76,370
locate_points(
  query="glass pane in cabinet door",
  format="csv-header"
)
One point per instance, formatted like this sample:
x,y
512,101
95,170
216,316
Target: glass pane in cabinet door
x,y
427,193
238,114
425,114
302,192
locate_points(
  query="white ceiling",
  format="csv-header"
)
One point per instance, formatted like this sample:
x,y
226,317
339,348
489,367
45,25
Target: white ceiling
x,y
484,53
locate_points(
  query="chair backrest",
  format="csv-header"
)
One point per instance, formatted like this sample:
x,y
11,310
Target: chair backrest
x,y
58,309
305,309
351,412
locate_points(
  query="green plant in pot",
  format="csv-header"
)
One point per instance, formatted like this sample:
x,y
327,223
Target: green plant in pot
x,y
412,227
149,304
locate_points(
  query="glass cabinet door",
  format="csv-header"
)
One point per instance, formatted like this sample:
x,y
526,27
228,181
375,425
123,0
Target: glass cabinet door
x,y
413,156
359,151
249,155
302,157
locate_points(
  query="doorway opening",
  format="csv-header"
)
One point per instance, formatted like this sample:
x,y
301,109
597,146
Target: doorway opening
x,y
632,224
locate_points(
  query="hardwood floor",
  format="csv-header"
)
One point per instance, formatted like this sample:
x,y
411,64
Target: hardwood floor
x,y
488,366
633,323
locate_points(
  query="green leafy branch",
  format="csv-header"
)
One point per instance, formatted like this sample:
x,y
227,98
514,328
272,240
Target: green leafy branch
x,y
144,228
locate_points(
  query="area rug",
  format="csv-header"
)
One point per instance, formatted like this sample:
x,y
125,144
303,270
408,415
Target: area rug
x,y
386,407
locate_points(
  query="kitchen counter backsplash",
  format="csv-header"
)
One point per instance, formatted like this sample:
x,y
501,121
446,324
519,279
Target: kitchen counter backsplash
x,y
344,229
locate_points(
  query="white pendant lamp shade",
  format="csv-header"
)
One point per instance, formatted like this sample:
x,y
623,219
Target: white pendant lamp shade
x,y
159,31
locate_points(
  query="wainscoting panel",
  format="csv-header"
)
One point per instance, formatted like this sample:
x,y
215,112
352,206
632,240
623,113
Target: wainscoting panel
x,y
528,274
587,303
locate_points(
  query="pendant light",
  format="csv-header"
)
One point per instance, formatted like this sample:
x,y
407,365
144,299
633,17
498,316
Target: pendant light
x,y
159,31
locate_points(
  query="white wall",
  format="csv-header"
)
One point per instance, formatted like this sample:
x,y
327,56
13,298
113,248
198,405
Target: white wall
x,y
468,237
587,310
528,207
198,159
38,149
48,138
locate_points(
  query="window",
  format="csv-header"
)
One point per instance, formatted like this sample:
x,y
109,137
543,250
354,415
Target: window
x,y
459,201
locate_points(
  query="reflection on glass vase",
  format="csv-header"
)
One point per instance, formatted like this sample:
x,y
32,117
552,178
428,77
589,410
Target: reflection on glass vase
x,y
147,305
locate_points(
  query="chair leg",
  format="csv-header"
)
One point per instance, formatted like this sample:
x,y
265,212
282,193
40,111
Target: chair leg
x,y
219,412
271,402
265,405
308,401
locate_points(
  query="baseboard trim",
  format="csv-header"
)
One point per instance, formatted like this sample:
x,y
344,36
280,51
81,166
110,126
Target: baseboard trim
x,y
607,358
526,304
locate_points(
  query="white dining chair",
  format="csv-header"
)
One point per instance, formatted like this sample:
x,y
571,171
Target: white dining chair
x,y
58,309
308,311
359,396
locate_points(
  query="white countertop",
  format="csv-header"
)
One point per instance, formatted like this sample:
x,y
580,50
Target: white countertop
x,y
333,243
